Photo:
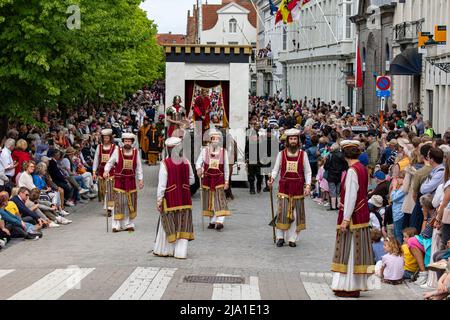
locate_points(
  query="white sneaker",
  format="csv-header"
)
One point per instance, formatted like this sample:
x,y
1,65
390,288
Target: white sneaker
x,y
64,213
426,286
326,204
2,243
70,203
83,191
53,225
422,279
92,195
63,221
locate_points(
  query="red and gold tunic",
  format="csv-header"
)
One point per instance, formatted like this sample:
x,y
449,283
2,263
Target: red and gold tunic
x,y
125,175
292,177
361,214
178,193
104,156
214,170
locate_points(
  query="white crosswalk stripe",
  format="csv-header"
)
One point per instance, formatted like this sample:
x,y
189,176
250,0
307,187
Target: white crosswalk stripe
x,y
54,285
237,291
5,272
145,284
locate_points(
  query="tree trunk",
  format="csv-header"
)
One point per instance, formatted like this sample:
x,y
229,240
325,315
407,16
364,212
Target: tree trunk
x,y
3,127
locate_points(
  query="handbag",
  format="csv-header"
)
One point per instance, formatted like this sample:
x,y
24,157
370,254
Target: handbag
x,y
446,216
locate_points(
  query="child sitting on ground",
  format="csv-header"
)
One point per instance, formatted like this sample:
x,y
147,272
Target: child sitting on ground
x,y
377,244
411,266
390,268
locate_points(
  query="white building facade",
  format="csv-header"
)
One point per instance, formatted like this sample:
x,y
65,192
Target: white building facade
x,y
318,52
431,89
270,70
233,27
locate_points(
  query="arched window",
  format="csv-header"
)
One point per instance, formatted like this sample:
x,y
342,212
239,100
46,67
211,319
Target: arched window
x,y
233,25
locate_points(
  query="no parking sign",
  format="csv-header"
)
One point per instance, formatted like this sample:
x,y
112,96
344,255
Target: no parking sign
x,y
383,86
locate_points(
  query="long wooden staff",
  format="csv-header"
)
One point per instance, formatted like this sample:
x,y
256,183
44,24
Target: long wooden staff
x,y
201,202
273,213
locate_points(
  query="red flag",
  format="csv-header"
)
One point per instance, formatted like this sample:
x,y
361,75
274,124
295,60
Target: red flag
x,y
359,73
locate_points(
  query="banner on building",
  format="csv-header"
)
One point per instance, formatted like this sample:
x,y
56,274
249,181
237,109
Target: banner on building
x,y
440,35
423,38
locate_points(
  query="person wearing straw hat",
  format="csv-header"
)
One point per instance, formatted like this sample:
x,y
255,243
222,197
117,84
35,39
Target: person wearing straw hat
x,y
127,163
102,155
353,257
213,171
292,165
175,227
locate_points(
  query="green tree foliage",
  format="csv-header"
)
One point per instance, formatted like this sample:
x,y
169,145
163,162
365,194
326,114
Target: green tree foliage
x,y
47,61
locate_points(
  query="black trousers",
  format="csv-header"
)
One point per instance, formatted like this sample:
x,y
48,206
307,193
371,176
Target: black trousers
x,y
254,173
16,231
68,190
3,235
416,218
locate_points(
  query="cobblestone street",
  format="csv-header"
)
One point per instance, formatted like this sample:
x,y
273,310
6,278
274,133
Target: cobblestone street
x,y
82,261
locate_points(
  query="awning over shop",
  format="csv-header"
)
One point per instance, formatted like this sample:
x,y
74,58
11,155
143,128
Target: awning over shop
x,y
407,63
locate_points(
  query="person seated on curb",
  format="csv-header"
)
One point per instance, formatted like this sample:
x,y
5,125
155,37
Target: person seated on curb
x,y
72,177
48,193
420,245
390,268
443,289
19,200
411,266
59,178
46,209
14,223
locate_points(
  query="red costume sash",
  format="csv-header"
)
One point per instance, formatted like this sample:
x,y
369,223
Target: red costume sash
x,y
104,156
125,175
292,178
361,214
214,169
178,192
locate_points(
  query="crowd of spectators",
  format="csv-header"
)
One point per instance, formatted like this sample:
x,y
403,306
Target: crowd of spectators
x,y
409,168
47,168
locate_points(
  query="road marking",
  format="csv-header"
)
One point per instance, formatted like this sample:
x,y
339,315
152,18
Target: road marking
x,y
319,291
5,272
145,284
237,291
54,285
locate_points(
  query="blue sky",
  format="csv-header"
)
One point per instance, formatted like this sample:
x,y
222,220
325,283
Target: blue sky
x,y
170,15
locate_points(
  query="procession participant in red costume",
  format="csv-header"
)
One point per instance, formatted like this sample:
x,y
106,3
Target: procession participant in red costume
x,y
102,156
202,106
213,171
292,165
175,115
353,258
128,165
175,227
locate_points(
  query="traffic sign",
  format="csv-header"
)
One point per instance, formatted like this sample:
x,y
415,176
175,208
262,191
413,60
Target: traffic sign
x,y
383,83
383,93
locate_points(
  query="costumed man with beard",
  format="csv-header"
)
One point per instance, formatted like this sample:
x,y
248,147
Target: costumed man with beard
x,y
128,166
202,106
154,144
175,227
143,138
230,145
212,169
102,155
175,114
292,165
353,257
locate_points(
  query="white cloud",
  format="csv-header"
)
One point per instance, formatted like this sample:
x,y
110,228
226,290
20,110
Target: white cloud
x,y
171,15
